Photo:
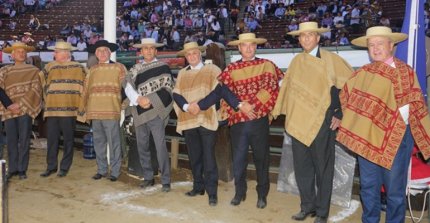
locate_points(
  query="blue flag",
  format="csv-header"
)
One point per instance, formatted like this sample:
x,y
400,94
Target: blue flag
x,y
413,50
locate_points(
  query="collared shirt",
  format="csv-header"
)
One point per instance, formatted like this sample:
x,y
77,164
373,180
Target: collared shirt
x,y
314,51
131,93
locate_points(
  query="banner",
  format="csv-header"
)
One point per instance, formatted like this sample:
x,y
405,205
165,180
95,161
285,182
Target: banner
x,y
413,50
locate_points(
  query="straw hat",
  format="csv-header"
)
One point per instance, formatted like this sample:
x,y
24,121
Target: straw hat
x,y
190,46
62,46
379,31
308,27
247,37
27,33
103,43
18,45
148,41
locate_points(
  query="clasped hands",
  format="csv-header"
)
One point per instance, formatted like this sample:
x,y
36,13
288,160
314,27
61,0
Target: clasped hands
x,y
14,108
144,102
245,108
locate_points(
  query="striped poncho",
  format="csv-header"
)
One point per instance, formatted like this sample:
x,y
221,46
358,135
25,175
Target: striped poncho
x,y
62,88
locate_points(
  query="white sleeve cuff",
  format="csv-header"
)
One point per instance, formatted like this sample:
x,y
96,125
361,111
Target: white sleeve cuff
x,y
185,107
132,95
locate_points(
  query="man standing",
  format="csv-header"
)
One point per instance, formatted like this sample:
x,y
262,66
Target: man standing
x,y
101,105
23,103
254,80
195,82
148,86
62,82
384,113
309,98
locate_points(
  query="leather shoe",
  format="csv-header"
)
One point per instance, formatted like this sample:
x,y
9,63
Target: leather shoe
x,y
302,215
237,199
320,219
165,188
98,176
194,192
147,183
113,179
213,200
262,202
10,175
47,173
22,175
62,173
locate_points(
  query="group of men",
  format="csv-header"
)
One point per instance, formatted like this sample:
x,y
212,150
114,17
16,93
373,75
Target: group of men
x,y
379,111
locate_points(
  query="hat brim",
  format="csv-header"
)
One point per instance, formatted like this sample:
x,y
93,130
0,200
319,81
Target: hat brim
x,y
148,44
182,52
395,37
298,32
54,48
12,48
112,47
239,41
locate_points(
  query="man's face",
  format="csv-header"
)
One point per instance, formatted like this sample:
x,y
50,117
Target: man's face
x,y
62,55
380,48
193,57
309,40
149,53
19,55
247,50
103,54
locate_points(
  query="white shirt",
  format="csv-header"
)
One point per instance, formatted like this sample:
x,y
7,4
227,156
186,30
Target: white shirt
x,y
131,93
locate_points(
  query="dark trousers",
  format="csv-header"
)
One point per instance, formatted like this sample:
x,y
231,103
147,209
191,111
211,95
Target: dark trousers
x,y
315,163
65,126
18,132
373,176
253,133
201,143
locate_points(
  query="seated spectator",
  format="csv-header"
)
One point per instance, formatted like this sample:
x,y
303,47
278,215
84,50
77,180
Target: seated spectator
x,y
327,20
72,39
66,30
293,25
82,45
343,40
188,23
384,21
338,18
326,37
27,38
290,12
252,24
259,14
280,11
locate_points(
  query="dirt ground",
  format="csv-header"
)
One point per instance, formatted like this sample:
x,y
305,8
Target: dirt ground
x,y
77,198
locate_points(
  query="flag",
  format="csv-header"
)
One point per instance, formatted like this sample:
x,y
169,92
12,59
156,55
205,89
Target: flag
x,y
413,50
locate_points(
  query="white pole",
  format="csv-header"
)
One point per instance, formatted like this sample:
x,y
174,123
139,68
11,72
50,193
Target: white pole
x,y
412,39
110,23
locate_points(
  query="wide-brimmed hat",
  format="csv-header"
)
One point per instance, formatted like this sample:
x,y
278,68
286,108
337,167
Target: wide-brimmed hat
x,y
27,33
190,46
103,43
247,37
308,27
62,46
146,42
379,31
18,45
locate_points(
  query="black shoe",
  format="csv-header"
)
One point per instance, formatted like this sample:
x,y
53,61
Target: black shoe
x,y
62,173
237,199
319,219
147,183
10,175
165,188
22,175
47,173
213,200
98,176
262,202
194,192
302,215
113,179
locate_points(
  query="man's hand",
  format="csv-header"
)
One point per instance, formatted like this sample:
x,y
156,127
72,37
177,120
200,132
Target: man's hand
x,y
143,102
194,108
335,122
14,108
248,110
